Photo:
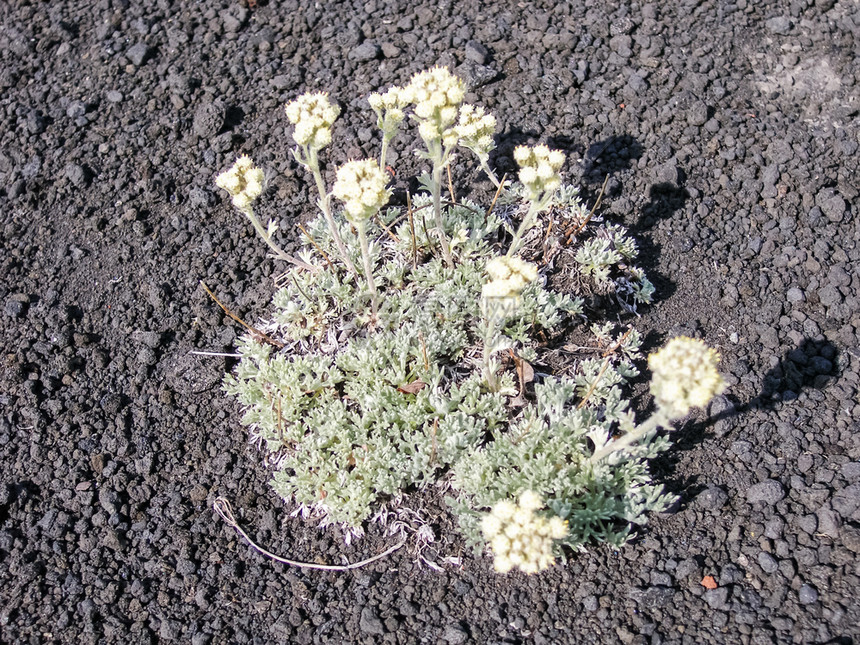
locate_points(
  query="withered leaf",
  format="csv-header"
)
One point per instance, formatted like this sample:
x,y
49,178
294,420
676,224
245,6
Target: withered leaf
x,y
412,388
525,372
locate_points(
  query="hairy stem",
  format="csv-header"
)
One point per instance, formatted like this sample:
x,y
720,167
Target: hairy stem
x,y
490,331
314,166
279,252
384,152
486,168
438,156
527,223
368,268
646,427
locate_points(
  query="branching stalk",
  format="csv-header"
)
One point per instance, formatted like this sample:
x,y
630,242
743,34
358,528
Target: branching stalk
x,y
489,372
361,226
384,152
312,163
483,159
437,155
491,329
279,252
526,225
648,426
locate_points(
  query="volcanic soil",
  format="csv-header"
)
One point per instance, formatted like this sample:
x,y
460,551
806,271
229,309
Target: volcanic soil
x,y
729,131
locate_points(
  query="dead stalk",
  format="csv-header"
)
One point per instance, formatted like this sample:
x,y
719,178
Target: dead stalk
x,y
577,230
251,329
496,196
316,246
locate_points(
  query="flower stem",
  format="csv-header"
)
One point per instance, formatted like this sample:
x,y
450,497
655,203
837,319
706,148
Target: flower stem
x,y
646,427
384,152
314,166
489,373
527,223
368,268
438,156
486,168
279,252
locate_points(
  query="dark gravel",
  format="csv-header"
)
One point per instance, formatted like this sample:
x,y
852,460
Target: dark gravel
x,y
730,132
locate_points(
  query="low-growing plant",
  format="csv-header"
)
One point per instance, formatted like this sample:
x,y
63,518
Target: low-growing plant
x,y
409,336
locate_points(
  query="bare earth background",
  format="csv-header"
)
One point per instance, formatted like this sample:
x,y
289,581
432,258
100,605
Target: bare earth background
x,y
730,134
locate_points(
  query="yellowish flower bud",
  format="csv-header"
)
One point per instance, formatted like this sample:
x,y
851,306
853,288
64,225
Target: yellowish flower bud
x,y
375,101
436,94
684,375
313,116
530,501
475,129
244,182
361,186
508,277
519,538
539,168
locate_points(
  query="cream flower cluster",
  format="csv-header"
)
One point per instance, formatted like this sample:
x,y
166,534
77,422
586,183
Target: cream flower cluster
x,y
539,168
436,95
475,129
243,181
313,116
518,537
684,375
508,278
389,106
361,186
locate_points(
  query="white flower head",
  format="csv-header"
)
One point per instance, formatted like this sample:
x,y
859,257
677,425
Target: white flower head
x,y
684,375
530,500
475,129
539,168
501,296
243,181
518,537
361,186
389,108
436,95
313,116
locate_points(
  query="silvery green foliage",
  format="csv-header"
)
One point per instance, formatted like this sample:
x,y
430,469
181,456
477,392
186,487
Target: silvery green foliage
x,y
606,257
546,450
353,413
337,410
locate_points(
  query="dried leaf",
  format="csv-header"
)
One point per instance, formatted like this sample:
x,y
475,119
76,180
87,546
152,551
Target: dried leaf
x,y
525,372
528,371
708,582
518,401
412,388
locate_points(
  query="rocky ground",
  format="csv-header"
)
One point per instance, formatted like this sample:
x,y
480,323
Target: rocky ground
x,y
729,131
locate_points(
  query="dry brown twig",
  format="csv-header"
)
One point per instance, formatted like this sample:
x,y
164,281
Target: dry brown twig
x,y
251,329
578,229
498,192
608,357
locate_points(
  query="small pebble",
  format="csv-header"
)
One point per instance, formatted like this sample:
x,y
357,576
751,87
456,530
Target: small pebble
x,y
368,50
780,25
138,54
794,295
769,491
767,562
807,594
477,53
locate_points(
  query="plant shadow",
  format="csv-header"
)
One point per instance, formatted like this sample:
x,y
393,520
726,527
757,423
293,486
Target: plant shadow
x,y
810,368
